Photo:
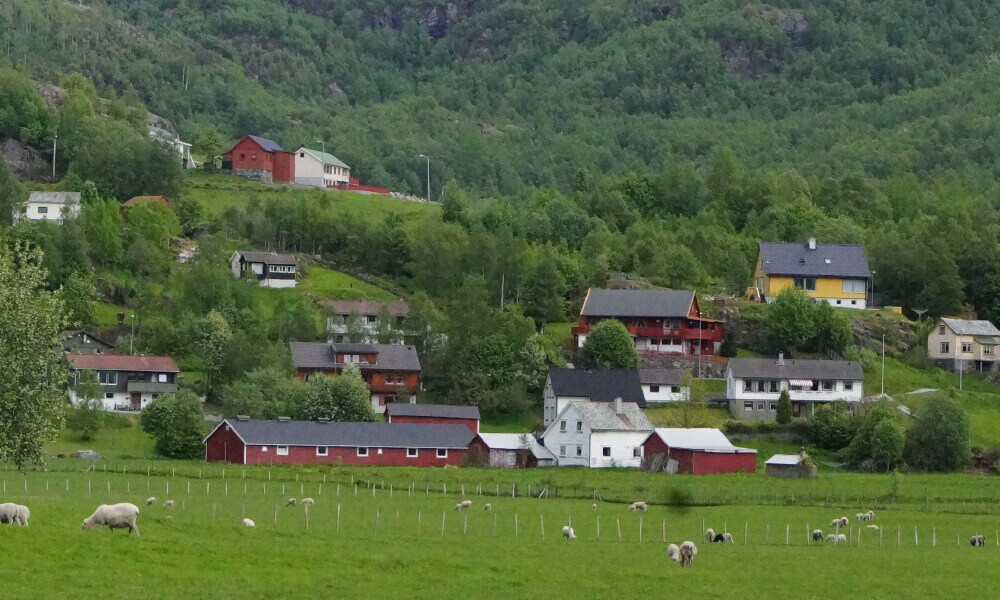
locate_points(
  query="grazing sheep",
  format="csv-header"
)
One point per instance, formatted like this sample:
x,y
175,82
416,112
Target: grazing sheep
x,y
841,522
817,535
168,504
870,514
291,502
688,551
593,506
978,540
638,506
248,523
859,517
873,527
840,538
710,535
674,553
21,518
151,501
723,537
8,513
831,537
458,506
114,516
568,532
487,507
308,502
466,503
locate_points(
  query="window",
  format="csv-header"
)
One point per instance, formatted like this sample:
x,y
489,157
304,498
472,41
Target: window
x,y
966,346
654,389
43,210
562,425
606,451
827,386
941,330
371,319
442,453
848,386
302,154
988,350
945,347
855,286
774,385
162,377
838,302
579,426
322,451
748,385
579,450
675,389
562,450
805,283
263,448
362,451
243,156
748,405
109,395
760,406
772,406
253,157
411,453
637,452
108,377
281,450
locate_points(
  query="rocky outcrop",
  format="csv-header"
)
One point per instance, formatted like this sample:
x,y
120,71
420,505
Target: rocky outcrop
x,y
26,162
741,61
436,19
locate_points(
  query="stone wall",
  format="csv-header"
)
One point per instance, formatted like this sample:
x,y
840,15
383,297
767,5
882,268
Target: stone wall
x,y
254,174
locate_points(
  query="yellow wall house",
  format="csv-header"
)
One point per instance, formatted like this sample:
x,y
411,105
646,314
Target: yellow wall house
x,y
834,273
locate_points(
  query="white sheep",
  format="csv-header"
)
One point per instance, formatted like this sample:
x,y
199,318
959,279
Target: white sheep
x,y
568,532
248,523
830,537
21,518
870,515
873,527
978,540
114,516
840,538
308,502
817,535
841,522
458,506
151,501
710,535
727,537
168,504
688,551
466,503
674,553
291,502
593,506
859,517
638,506
487,507
8,513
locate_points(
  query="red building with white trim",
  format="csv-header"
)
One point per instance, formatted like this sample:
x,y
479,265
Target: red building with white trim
x,y
695,451
660,321
434,414
260,159
248,441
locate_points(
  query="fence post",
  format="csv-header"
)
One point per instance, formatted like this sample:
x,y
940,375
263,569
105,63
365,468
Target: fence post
x,y
788,530
515,525
378,513
808,535
444,515
465,524
418,522
933,537
640,529
663,530
338,517
916,540
598,527
619,522
898,538
746,532
541,522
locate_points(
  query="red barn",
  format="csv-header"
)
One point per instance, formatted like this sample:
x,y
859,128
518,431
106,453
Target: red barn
x,y
696,451
248,441
260,159
434,414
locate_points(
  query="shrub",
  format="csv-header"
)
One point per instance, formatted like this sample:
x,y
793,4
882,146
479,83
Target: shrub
x,y
831,426
177,421
609,346
938,440
784,410
878,443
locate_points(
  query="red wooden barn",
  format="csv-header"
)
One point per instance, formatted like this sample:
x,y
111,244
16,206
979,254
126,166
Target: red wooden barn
x,y
261,159
696,451
434,414
248,441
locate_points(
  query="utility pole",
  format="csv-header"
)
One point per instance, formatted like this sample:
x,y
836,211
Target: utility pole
x,y
428,176
883,365
55,140
699,344
503,281
132,337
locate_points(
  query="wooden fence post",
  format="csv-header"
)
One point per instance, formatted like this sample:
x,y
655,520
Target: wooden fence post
x,y
444,515
515,525
338,517
619,523
541,523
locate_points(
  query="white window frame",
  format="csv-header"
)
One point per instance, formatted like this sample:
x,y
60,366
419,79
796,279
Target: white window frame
x,y
579,426
848,386
854,286
412,452
262,448
322,451
441,453
562,451
43,210
606,451
945,347
579,450
654,389
562,426
109,395
363,451
966,347
636,451
281,450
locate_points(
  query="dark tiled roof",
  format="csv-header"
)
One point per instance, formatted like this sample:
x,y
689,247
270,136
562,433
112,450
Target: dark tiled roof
x,y
348,348
598,385
313,355
122,362
443,411
660,376
827,260
75,332
266,144
399,308
768,368
372,435
637,303
269,258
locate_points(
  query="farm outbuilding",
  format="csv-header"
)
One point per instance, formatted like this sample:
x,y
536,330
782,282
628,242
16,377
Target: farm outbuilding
x,y
433,414
516,450
791,466
696,451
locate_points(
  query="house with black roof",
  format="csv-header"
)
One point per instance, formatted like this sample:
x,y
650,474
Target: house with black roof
x,y
834,273
271,269
565,385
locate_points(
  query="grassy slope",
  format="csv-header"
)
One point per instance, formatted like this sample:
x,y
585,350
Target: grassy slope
x,y
340,286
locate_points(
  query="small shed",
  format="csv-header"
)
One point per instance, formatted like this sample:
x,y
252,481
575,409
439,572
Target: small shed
x,y
516,450
791,466
696,451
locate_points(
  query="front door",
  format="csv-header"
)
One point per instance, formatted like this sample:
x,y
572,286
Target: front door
x,y
136,401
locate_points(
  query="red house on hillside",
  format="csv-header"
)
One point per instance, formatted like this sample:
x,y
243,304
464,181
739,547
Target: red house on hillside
x,y
695,451
434,414
391,371
260,159
660,321
246,441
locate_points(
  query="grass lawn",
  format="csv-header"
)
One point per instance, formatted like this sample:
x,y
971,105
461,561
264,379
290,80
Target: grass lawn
x,y
340,286
106,315
559,333
121,444
684,414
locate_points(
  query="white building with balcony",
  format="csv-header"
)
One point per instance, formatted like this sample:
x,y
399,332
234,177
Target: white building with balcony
x,y
753,385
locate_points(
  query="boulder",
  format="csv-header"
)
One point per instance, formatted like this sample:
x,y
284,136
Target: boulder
x,y
87,455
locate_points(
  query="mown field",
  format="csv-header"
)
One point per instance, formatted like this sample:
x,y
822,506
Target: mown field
x,y
405,539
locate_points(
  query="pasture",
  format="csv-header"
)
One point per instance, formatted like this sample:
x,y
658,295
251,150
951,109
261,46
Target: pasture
x,y
395,532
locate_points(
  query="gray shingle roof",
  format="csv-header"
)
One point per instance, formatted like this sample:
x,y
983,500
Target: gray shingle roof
x,y
55,197
598,385
348,348
512,441
602,417
784,459
443,411
266,144
318,355
699,438
768,368
373,435
637,303
269,258
827,260
965,327
660,376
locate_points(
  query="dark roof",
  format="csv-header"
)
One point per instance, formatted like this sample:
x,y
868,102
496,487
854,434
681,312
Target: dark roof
x,y
75,332
391,357
441,411
123,362
372,435
266,144
752,368
399,308
598,385
269,258
827,260
637,303
347,348
660,376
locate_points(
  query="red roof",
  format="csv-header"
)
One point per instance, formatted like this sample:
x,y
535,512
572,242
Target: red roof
x,y
123,362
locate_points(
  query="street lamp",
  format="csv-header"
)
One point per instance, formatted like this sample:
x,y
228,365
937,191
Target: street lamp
x,y
55,141
324,147
428,176
872,302
132,337
323,160
699,344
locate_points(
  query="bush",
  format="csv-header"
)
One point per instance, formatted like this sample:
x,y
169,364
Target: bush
x,y
938,440
878,443
831,426
87,419
609,346
784,409
177,421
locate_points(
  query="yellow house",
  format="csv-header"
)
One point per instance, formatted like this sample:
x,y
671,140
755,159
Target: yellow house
x,y
834,273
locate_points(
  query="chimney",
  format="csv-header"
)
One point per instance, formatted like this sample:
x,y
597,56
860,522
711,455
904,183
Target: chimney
x,y
781,358
618,405
811,243
284,419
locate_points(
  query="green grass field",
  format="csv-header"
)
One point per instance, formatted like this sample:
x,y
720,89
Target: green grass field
x,y
335,285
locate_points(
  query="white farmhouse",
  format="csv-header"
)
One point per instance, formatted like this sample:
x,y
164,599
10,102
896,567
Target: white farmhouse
x,y
182,148
663,385
565,385
754,384
271,269
320,169
598,435
49,206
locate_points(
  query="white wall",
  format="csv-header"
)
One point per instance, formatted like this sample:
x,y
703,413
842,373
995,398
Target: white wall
x,y
735,391
622,445
308,170
556,440
54,211
277,283
665,395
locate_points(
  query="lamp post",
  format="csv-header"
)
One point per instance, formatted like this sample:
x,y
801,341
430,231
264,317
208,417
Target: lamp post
x,y
699,344
131,339
871,303
55,141
323,160
428,176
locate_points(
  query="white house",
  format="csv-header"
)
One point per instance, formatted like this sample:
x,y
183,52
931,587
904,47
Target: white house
x,y
663,385
367,311
271,269
565,385
960,344
128,382
49,206
183,149
598,435
753,385
516,450
320,169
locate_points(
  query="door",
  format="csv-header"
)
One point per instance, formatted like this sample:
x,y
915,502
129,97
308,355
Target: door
x,y
136,401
